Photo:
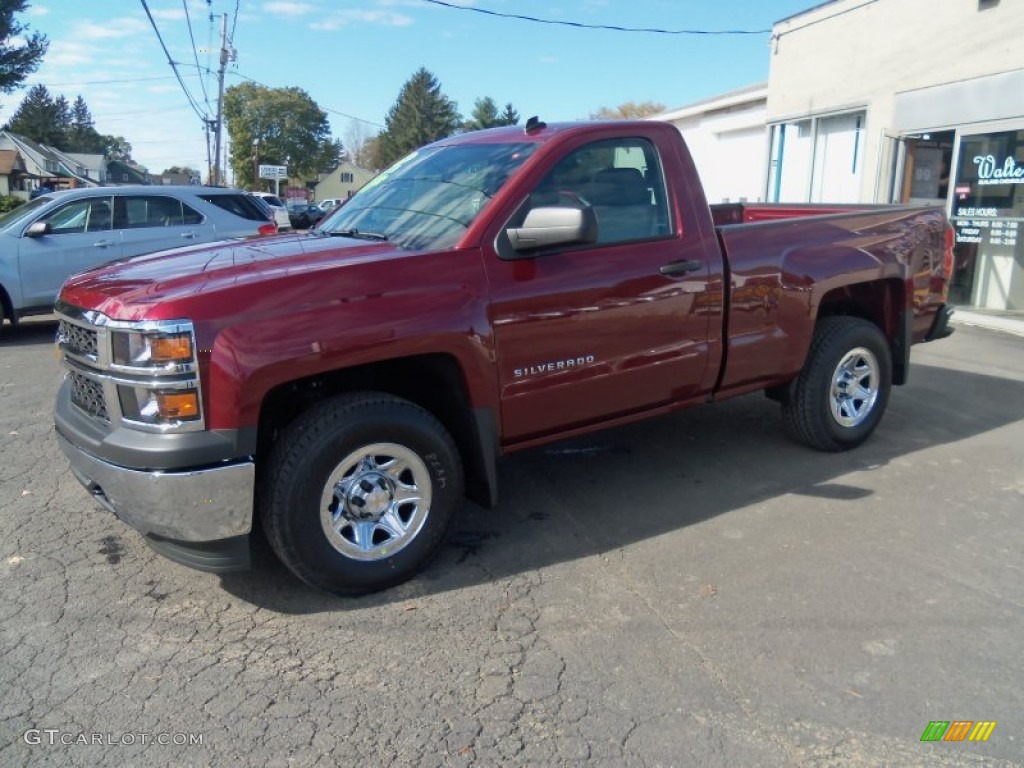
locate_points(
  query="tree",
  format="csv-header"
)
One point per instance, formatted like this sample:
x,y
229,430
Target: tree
x,y
370,155
420,115
18,61
41,118
485,115
509,116
82,135
115,148
630,110
359,144
277,126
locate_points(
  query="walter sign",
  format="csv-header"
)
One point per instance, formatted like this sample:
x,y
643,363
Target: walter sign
x,y
273,171
992,172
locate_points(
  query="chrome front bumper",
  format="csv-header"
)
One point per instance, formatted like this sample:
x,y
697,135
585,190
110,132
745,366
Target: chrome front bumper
x,y
196,505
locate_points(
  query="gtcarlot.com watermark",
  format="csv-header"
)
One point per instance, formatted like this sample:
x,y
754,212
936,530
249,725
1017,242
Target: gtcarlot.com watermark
x,y
55,737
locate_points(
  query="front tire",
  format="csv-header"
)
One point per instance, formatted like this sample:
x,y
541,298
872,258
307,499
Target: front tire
x,y
360,492
840,395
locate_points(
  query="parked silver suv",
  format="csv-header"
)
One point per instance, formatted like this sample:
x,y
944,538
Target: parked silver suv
x,y
56,235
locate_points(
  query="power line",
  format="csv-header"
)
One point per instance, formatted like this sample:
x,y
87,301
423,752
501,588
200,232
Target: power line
x,y
195,52
105,82
612,27
325,109
174,66
234,22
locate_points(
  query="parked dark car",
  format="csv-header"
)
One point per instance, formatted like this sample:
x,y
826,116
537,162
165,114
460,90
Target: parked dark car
x,y
304,215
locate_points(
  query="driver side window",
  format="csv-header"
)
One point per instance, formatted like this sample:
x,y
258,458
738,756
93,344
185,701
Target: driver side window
x,y
89,215
620,179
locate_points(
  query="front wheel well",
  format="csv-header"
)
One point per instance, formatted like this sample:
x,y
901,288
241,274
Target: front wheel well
x,y
6,308
433,381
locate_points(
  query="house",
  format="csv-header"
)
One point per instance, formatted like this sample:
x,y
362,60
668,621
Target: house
x,y
342,182
179,178
13,174
36,166
728,140
126,172
95,165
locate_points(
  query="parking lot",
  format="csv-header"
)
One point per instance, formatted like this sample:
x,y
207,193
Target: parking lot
x,y
689,591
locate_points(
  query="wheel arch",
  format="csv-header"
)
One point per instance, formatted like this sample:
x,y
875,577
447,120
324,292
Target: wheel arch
x,y
7,306
435,382
882,302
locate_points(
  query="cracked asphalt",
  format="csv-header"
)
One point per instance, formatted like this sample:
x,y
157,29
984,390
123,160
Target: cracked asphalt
x,y
690,591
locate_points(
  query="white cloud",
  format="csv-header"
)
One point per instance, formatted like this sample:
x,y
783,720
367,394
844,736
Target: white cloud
x,y
289,8
64,53
168,14
110,30
338,20
37,10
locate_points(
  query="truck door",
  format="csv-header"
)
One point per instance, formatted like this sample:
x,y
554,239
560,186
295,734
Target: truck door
x,y
586,333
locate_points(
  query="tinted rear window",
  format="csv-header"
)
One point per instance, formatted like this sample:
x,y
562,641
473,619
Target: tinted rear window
x,y
271,200
240,205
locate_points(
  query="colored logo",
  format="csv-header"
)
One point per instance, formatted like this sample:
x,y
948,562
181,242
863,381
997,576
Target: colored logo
x,y
958,730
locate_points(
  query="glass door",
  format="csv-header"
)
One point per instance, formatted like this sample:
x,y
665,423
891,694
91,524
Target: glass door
x,y
987,211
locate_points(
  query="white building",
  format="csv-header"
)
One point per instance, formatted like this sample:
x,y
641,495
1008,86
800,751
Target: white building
x,y
726,136
909,101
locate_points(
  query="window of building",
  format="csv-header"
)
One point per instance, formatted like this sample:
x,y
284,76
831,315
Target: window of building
x,y
346,178
817,160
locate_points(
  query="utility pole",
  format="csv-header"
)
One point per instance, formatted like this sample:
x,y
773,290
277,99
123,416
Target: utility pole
x,y
227,54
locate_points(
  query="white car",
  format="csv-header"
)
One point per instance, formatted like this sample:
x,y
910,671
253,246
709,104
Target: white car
x,y
329,204
278,208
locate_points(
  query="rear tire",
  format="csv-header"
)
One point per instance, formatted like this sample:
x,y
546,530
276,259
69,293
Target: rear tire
x,y
840,395
359,492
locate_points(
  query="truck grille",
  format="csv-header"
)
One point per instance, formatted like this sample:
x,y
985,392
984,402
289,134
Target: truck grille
x,y
88,395
77,340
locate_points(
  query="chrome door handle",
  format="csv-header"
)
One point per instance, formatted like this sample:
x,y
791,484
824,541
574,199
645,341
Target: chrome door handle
x,y
189,235
102,244
681,267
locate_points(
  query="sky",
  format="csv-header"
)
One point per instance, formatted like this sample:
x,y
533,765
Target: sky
x,y
353,56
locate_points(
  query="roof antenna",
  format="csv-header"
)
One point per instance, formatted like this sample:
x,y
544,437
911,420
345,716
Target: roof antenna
x,y
535,124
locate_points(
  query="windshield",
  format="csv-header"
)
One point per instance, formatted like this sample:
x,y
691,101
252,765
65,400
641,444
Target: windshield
x,y
23,210
428,199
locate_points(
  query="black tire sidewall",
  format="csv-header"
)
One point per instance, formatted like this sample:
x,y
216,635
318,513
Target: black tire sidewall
x,y
304,546
850,337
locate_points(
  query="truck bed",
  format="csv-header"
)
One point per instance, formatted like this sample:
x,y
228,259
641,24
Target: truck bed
x,y
785,264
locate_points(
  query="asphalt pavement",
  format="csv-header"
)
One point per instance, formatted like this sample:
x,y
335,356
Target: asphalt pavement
x,y
693,590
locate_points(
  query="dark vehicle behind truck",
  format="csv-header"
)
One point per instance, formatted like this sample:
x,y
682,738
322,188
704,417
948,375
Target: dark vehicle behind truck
x,y
493,291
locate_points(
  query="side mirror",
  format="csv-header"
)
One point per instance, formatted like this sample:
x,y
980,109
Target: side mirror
x,y
547,227
37,229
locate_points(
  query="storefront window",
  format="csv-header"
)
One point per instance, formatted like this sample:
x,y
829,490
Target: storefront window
x,y
817,160
987,213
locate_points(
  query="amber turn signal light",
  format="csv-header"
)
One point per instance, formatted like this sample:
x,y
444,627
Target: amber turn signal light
x,y
175,405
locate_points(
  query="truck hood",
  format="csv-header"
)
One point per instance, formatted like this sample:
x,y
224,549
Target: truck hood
x,y
156,285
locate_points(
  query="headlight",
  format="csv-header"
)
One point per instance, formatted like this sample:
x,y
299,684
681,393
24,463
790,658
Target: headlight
x,y
141,349
159,406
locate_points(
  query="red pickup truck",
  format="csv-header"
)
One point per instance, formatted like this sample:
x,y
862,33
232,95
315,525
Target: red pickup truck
x,y
490,292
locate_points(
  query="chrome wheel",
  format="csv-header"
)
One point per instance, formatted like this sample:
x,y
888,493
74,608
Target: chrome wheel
x,y
855,386
376,501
